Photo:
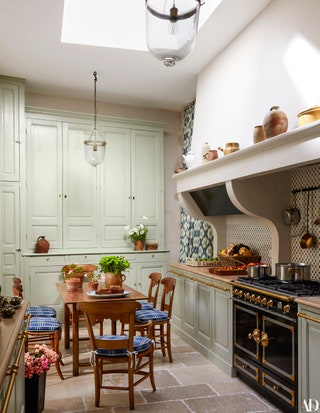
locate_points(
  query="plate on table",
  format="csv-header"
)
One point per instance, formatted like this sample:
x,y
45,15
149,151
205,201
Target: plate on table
x,y
115,295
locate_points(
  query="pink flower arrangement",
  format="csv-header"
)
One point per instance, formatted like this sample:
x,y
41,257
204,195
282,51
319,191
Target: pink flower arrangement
x,y
39,361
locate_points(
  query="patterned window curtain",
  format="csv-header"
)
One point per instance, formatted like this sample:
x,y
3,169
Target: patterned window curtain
x,y
196,238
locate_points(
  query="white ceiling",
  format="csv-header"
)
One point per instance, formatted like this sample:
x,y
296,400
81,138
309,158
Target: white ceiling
x,y
31,48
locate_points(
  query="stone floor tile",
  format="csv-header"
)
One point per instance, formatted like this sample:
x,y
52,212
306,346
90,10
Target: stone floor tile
x,y
241,403
159,407
177,393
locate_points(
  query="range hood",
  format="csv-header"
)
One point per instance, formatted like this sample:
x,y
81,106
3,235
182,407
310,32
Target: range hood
x,y
214,201
254,181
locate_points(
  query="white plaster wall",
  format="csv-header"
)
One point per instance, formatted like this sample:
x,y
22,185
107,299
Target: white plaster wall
x,y
273,61
172,149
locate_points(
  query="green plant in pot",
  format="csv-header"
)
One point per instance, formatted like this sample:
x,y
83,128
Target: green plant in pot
x,y
93,280
113,267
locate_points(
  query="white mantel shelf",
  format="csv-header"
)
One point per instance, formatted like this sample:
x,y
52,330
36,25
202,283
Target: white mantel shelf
x,y
296,148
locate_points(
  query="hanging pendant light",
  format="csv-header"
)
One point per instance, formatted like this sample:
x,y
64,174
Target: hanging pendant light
x,y
94,148
171,28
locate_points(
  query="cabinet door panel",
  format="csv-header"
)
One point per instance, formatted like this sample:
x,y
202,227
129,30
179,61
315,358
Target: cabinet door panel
x,y
189,300
44,184
11,104
10,226
116,191
147,181
203,314
79,189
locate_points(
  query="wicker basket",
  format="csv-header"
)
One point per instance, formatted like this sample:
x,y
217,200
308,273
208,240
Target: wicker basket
x,y
238,260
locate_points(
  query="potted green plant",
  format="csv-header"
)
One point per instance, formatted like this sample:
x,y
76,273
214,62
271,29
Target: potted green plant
x,y
72,271
93,280
113,267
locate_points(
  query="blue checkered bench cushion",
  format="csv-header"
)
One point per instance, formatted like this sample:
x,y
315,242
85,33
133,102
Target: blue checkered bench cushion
x,y
44,324
139,344
142,316
145,306
41,311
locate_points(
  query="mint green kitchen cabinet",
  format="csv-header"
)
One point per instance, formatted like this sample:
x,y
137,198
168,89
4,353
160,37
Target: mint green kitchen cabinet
x,y
11,127
202,315
61,186
309,360
75,205
132,185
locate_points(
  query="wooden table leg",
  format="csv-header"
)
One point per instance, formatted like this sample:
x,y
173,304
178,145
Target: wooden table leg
x,y
75,339
66,327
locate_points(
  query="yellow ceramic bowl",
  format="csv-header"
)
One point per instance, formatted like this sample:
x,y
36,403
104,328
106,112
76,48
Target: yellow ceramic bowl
x,y
309,115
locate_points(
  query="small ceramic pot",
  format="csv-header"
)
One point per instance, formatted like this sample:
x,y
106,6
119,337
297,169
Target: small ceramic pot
x,y
258,134
212,154
275,122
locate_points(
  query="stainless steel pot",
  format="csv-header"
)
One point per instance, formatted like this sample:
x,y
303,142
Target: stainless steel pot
x,y
258,271
284,271
301,272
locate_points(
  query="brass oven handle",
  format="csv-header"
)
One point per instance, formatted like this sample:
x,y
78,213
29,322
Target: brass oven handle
x,y
255,335
264,339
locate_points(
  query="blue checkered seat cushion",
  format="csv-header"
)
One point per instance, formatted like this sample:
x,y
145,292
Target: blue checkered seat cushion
x,y
41,311
139,344
44,324
142,316
146,306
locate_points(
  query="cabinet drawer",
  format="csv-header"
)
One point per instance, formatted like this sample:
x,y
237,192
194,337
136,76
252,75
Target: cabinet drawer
x,y
46,260
152,256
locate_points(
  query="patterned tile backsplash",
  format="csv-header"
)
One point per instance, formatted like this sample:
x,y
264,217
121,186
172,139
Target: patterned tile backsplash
x,y
259,235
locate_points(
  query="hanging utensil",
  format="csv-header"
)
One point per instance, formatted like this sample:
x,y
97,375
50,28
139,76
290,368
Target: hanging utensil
x,y
307,240
317,220
291,215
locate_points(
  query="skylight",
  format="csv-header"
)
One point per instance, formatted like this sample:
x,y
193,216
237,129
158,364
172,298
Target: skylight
x,y
112,23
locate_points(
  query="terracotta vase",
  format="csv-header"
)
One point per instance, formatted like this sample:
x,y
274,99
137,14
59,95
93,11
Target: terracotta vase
x,y
93,286
275,122
139,245
73,284
112,279
42,246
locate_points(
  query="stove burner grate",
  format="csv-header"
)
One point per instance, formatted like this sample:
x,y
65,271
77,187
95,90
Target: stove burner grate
x,y
297,288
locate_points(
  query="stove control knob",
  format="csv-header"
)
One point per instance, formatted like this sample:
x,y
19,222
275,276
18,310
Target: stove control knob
x,y
236,292
264,301
247,296
286,309
252,297
258,299
270,303
240,293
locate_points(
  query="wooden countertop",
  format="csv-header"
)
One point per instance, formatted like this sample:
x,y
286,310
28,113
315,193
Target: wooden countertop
x,y
9,331
204,271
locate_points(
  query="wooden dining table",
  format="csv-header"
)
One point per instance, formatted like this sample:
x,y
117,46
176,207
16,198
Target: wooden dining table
x,y
71,301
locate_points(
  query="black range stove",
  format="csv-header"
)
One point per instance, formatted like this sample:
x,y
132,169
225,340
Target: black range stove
x,y
265,340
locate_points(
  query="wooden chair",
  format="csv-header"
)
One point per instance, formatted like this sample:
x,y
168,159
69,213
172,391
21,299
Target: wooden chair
x,y
161,319
153,291
118,354
43,327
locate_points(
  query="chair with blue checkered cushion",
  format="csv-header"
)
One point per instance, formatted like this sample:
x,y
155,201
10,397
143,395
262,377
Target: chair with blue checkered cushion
x,y
42,330
114,354
161,319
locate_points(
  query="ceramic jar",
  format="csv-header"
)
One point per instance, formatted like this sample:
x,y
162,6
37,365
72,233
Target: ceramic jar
x,y
258,134
112,279
42,246
275,122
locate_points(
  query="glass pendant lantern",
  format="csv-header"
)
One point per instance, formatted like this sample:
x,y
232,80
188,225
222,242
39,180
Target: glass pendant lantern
x,y
171,28
94,147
